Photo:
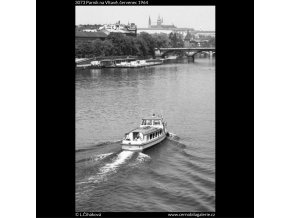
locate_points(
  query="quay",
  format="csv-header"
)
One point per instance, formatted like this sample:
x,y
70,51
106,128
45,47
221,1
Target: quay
x,y
133,62
128,62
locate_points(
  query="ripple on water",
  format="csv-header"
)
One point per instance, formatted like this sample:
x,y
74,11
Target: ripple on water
x,y
179,175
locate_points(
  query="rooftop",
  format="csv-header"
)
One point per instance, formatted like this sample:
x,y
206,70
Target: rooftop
x,y
153,117
99,34
146,130
205,31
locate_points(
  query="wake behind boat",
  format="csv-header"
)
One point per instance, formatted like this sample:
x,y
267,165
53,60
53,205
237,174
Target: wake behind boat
x,y
151,131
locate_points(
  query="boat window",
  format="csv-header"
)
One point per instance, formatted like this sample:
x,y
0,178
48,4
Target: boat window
x,y
148,122
143,122
156,122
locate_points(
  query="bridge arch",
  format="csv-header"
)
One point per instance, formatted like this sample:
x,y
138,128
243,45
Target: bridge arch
x,y
161,52
171,51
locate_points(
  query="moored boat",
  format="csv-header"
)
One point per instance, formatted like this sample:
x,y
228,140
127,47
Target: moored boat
x,y
171,57
152,131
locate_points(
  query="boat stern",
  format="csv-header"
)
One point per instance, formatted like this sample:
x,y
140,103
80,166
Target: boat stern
x,y
129,147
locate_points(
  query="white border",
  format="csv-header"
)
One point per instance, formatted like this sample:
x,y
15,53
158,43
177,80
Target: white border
x,y
18,108
18,114
272,108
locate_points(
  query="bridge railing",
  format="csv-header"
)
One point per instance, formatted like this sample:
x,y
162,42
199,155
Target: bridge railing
x,y
189,48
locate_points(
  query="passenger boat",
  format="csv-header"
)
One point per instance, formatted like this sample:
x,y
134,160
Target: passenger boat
x,y
151,131
171,57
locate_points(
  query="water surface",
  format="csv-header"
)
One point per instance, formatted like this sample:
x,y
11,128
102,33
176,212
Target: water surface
x,y
175,175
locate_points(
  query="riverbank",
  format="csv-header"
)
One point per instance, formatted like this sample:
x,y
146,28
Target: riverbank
x,y
128,62
184,92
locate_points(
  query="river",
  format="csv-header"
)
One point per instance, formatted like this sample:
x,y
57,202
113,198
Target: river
x,y
176,175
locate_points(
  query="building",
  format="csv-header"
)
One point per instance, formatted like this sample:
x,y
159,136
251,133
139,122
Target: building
x,y
159,27
159,24
88,27
90,30
89,36
191,40
200,33
187,40
130,29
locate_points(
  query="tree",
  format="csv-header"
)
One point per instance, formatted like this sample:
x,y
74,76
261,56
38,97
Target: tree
x,y
161,40
211,42
107,48
117,44
149,41
97,47
176,40
142,47
84,49
123,45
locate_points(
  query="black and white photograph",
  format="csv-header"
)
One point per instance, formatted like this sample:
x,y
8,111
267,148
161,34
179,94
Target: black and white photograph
x,y
145,109
137,116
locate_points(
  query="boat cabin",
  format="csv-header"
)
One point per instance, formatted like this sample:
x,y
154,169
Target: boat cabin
x,y
150,128
155,122
151,131
143,134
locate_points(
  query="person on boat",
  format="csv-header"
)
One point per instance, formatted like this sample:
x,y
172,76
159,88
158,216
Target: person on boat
x,y
139,138
149,122
127,137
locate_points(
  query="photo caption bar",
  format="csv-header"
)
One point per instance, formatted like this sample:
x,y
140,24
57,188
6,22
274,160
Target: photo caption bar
x,y
78,3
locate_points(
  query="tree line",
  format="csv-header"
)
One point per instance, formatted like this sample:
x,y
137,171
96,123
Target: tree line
x,y
118,44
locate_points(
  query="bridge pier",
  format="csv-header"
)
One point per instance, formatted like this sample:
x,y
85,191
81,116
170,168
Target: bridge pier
x,y
157,53
210,54
161,52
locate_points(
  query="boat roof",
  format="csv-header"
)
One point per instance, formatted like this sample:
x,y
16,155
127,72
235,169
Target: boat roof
x,y
153,118
146,130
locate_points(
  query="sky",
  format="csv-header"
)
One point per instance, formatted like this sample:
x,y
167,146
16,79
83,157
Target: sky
x,y
197,17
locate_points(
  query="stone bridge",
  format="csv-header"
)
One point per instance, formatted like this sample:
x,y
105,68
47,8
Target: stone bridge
x,y
162,52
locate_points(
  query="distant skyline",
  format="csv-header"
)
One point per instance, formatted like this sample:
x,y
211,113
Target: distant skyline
x,y
197,17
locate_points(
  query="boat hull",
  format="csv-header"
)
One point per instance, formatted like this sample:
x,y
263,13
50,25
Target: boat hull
x,y
141,147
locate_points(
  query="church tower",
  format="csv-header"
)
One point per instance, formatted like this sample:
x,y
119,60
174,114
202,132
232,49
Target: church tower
x,y
159,22
149,22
